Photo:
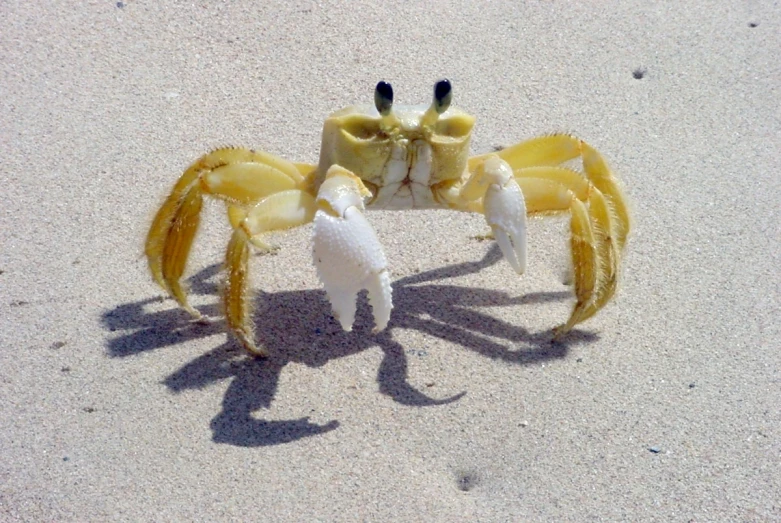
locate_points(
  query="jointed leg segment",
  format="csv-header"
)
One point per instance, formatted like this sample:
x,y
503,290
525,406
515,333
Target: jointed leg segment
x,y
242,178
599,216
265,194
279,211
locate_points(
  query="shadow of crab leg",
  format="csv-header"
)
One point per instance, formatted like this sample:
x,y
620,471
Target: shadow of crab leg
x,y
392,378
280,211
238,176
347,253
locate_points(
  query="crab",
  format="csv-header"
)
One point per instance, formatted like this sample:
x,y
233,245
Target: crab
x,y
383,156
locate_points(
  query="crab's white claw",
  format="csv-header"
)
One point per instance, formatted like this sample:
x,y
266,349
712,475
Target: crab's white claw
x,y
505,211
347,253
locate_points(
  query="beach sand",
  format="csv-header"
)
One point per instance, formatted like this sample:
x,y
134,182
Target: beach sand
x,y
663,407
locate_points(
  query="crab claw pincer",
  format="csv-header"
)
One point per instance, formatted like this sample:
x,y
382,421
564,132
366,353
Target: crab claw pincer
x,y
505,211
347,253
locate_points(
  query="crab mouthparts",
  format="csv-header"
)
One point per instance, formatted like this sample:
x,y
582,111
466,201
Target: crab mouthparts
x,y
406,182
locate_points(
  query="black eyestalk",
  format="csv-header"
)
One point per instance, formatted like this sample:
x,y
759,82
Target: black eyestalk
x,y
383,98
443,95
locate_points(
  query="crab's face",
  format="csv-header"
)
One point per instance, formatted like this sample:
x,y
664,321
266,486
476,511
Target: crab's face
x,y
402,154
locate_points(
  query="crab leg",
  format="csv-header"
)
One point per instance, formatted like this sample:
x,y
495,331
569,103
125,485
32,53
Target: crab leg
x,y
347,253
595,254
599,217
559,148
279,211
238,176
504,207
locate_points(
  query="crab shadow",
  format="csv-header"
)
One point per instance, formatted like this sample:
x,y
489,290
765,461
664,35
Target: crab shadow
x,y
297,326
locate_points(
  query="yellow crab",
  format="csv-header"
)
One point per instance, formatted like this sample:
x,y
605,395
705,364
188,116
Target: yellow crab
x,y
381,157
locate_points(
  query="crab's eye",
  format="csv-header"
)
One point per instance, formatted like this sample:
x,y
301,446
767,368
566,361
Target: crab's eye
x,y
443,94
383,98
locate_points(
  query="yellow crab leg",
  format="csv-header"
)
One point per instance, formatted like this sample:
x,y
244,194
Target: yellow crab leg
x,y
236,213
239,176
276,212
599,174
595,256
176,247
607,255
586,263
237,302
550,189
599,217
543,150
559,148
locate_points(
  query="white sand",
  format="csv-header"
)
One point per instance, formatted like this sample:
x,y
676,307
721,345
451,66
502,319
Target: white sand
x,y
115,407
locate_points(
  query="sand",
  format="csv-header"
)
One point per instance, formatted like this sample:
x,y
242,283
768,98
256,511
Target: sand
x,y
664,407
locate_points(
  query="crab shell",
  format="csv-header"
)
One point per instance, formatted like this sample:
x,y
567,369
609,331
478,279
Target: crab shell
x,y
405,158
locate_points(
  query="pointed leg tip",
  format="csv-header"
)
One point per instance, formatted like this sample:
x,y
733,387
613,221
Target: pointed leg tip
x,y
202,319
247,341
560,332
249,345
158,277
258,352
193,312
